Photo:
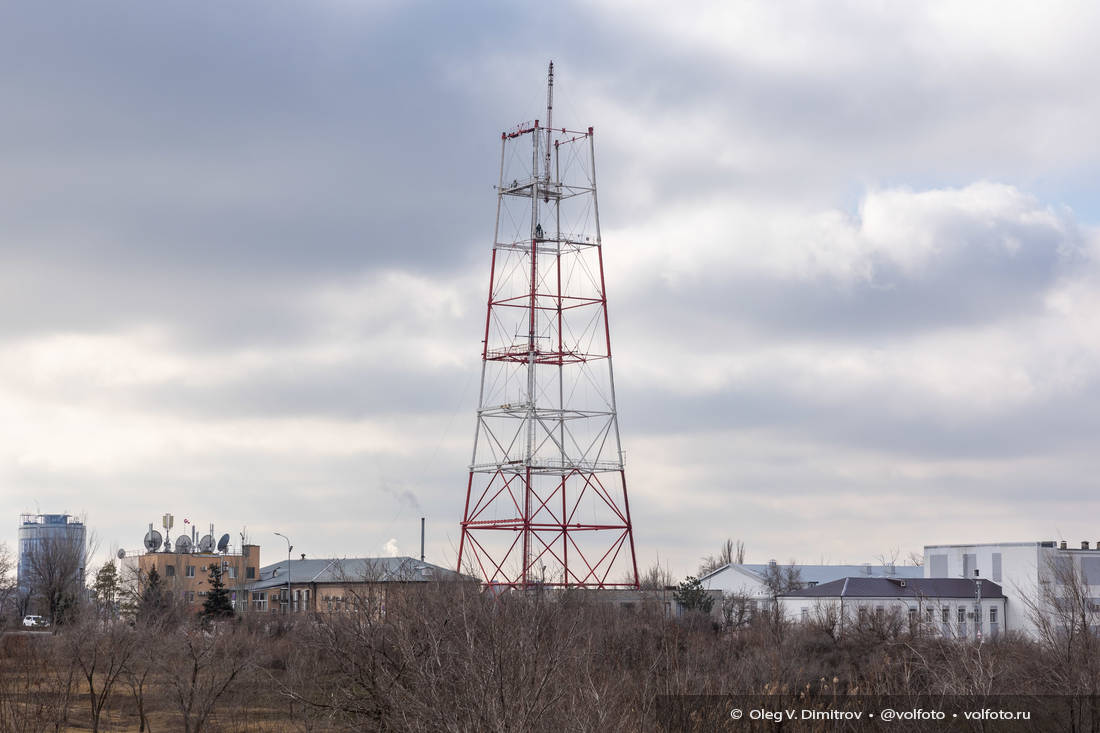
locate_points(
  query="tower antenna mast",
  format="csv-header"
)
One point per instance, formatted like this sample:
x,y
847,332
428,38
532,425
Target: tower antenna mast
x,y
549,123
546,499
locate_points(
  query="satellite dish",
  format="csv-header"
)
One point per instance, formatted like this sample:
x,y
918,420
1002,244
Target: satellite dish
x,y
121,553
223,543
183,544
152,540
206,544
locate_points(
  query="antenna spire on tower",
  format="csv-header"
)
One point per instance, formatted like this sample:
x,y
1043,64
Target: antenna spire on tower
x,y
549,120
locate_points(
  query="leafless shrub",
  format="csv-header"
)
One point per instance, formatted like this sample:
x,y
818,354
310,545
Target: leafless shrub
x,y
450,657
101,652
199,668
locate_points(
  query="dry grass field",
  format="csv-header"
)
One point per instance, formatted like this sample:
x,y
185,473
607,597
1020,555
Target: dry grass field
x,y
454,659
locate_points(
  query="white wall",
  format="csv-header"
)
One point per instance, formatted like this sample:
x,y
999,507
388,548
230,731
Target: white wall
x,y
738,581
1018,575
1027,570
815,608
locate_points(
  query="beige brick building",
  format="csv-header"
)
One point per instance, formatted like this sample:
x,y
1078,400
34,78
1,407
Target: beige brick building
x,y
341,584
186,574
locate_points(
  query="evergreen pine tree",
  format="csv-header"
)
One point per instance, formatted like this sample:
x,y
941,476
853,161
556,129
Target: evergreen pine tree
x,y
106,590
217,603
154,599
692,596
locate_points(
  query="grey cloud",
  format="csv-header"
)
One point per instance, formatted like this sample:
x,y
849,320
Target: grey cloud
x,y
346,391
986,262
894,419
210,171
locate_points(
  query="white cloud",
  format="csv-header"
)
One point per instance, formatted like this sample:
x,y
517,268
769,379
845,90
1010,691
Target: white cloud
x,y
841,271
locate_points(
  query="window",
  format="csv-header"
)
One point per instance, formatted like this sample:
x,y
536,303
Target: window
x,y
189,571
250,572
170,571
190,596
233,572
992,614
259,601
912,617
805,614
961,614
929,614
945,614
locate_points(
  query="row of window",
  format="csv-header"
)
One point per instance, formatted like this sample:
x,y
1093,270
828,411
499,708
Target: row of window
x,y
299,600
231,570
929,614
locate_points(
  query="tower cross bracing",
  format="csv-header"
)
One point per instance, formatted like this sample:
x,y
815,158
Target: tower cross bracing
x,y
546,498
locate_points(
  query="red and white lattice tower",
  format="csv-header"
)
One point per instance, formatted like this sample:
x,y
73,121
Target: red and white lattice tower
x,y
546,501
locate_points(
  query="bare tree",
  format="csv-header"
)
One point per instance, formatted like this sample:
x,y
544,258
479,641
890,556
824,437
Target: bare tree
x,y
1066,619
889,559
656,578
8,588
140,670
101,651
55,574
732,551
737,610
200,668
35,685
779,579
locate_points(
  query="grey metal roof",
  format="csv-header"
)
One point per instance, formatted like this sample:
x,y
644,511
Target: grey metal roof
x,y
825,573
893,588
1039,543
353,569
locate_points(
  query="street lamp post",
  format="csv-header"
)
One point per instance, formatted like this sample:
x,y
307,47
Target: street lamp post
x,y
289,547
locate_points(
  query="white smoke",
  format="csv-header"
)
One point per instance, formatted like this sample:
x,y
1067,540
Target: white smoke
x,y
391,547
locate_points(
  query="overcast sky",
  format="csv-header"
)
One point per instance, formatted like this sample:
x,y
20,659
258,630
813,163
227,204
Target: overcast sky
x,y
852,257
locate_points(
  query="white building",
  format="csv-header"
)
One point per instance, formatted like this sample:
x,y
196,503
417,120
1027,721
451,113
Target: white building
x,y
951,607
751,581
1027,571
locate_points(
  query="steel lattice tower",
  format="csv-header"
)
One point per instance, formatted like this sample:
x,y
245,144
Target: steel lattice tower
x,y
546,500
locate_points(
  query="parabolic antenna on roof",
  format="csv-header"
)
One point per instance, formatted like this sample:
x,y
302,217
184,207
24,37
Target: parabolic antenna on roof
x,y
183,543
223,543
206,544
152,540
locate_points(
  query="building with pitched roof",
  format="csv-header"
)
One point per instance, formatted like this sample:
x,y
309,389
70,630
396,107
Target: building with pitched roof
x,y
958,608
336,584
756,584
